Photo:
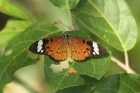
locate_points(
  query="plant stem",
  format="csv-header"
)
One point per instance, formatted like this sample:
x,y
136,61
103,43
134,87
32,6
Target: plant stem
x,y
123,66
126,59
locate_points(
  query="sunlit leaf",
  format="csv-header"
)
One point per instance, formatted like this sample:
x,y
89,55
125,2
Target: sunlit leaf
x,y
8,8
12,28
110,20
65,4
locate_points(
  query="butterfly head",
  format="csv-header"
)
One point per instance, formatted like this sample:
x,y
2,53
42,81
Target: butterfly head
x,y
67,36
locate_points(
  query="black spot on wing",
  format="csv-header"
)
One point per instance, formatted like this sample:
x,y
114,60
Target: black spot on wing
x,y
83,41
51,40
47,47
87,49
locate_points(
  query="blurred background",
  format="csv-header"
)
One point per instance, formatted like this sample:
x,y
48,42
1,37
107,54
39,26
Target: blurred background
x,y
31,79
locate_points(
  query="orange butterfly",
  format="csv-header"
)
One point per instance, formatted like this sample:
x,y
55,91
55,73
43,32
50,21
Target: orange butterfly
x,y
60,47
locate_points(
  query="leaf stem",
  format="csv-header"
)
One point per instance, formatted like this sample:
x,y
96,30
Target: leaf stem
x,y
123,66
126,59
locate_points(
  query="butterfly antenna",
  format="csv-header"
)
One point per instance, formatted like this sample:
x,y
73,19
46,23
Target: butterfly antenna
x,y
56,22
72,25
59,22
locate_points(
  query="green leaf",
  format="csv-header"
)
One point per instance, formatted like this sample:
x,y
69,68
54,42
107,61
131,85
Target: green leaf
x,y
12,28
110,20
16,52
65,4
59,79
119,83
86,88
7,8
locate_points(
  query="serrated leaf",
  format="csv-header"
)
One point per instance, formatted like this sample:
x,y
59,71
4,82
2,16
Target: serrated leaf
x,y
65,4
110,20
119,83
63,79
16,52
7,8
13,27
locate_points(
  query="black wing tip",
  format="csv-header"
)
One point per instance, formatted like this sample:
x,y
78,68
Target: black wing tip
x,y
34,47
97,51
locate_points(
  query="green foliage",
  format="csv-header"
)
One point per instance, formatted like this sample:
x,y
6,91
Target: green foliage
x,y
7,8
65,4
92,67
85,88
12,28
119,83
110,20
16,52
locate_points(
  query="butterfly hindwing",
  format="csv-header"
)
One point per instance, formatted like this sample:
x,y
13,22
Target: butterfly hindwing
x,y
57,49
79,49
60,53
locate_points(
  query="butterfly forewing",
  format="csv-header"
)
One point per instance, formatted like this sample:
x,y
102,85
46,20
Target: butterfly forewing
x,y
55,47
85,48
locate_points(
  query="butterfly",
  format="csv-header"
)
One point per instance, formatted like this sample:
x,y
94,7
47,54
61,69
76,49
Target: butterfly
x,y
59,48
